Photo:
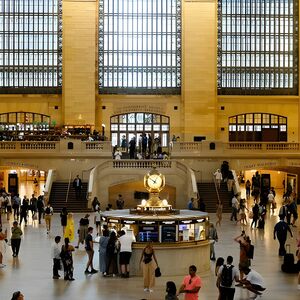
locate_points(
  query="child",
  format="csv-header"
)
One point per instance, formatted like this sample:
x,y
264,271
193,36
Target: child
x,y
171,291
56,248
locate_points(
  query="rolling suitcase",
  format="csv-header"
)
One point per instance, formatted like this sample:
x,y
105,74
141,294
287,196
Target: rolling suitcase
x,y
288,265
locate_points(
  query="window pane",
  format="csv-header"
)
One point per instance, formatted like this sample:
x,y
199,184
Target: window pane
x,y
258,47
140,46
31,46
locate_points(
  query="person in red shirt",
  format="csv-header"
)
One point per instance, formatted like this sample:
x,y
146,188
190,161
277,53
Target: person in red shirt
x,y
191,285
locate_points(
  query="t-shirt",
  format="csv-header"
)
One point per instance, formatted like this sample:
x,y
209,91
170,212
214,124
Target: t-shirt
x,y
126,240
191,283
88,239
235,273
255,278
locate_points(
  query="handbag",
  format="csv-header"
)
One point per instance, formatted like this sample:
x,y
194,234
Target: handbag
x,y
250,215
157,272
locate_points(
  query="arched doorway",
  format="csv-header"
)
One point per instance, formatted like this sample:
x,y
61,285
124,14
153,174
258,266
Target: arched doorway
x,y
136,123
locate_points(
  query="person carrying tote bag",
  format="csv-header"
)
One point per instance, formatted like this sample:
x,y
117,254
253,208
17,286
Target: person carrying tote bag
x,y
149,264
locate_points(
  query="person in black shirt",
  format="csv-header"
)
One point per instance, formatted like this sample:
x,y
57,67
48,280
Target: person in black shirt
x,y
89,247
280,230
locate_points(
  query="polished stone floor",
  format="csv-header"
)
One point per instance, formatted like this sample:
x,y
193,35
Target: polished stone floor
x,y
31,271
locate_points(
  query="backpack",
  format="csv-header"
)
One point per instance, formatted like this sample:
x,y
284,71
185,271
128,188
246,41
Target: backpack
x,y
111,247
48,211
250,252
226,276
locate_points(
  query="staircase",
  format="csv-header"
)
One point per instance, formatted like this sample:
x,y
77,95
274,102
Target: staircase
x,y
207,192
58,197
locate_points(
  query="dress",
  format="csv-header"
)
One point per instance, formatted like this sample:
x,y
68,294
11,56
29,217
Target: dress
x,y
69,231
102,253
67,260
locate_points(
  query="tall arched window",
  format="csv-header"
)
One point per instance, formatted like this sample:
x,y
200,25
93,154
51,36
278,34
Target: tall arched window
x,y
136,123
258,127
139,46
258,47
30,46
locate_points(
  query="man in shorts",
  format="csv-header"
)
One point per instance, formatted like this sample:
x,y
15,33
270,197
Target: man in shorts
x,y
253,282
126,240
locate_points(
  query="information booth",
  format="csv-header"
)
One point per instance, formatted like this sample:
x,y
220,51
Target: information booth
x,y
179,240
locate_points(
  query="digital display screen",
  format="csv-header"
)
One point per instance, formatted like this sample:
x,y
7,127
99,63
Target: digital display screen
x,y
168,233
148,233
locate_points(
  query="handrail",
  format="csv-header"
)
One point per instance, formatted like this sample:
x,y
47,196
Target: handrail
x,y
217,190
67,196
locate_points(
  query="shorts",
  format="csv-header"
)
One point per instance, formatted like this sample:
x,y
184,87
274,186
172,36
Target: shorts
x,y
257,287
125,258
97,223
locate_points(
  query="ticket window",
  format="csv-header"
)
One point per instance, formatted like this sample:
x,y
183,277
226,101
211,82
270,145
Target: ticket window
x,y
200,231
148,233
186,232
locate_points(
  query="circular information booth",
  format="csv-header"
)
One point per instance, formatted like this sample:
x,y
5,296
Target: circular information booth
x,y
179,240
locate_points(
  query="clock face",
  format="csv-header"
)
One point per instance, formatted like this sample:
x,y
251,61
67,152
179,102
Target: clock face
x,y
154,181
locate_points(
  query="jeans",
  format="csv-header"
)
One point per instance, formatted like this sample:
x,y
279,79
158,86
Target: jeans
x,y
56,266
15,246
226,293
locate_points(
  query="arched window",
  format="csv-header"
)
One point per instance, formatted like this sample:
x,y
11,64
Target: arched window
x,y
136,123
258,127
24,122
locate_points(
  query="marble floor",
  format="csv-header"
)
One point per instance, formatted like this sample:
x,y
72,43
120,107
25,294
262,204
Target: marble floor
x,y
31,272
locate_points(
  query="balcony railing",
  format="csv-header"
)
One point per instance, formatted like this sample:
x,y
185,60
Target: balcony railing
x,y
68,147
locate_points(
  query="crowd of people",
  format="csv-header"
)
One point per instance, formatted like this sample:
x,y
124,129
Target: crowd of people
x,y
115,246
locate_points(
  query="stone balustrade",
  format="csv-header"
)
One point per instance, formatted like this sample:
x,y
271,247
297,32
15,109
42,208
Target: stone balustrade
x,y
66,147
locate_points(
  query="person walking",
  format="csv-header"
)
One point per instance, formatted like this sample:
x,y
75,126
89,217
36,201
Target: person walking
x,y
248,189
191,285
89,248
16,234
77,185
228,274
83,229
16,201
63,218
280,231
70,228
219,213
213,237
102,251
67,260
255,216
55,251
40,207
218,177
33,206
149,263
234,208
3,237
24,212
48,217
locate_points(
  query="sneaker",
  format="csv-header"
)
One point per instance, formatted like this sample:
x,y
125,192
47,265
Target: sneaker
x,y
114,275
93,271
2,265
146,289
87,272
55,277
76,247
71,279
151,291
